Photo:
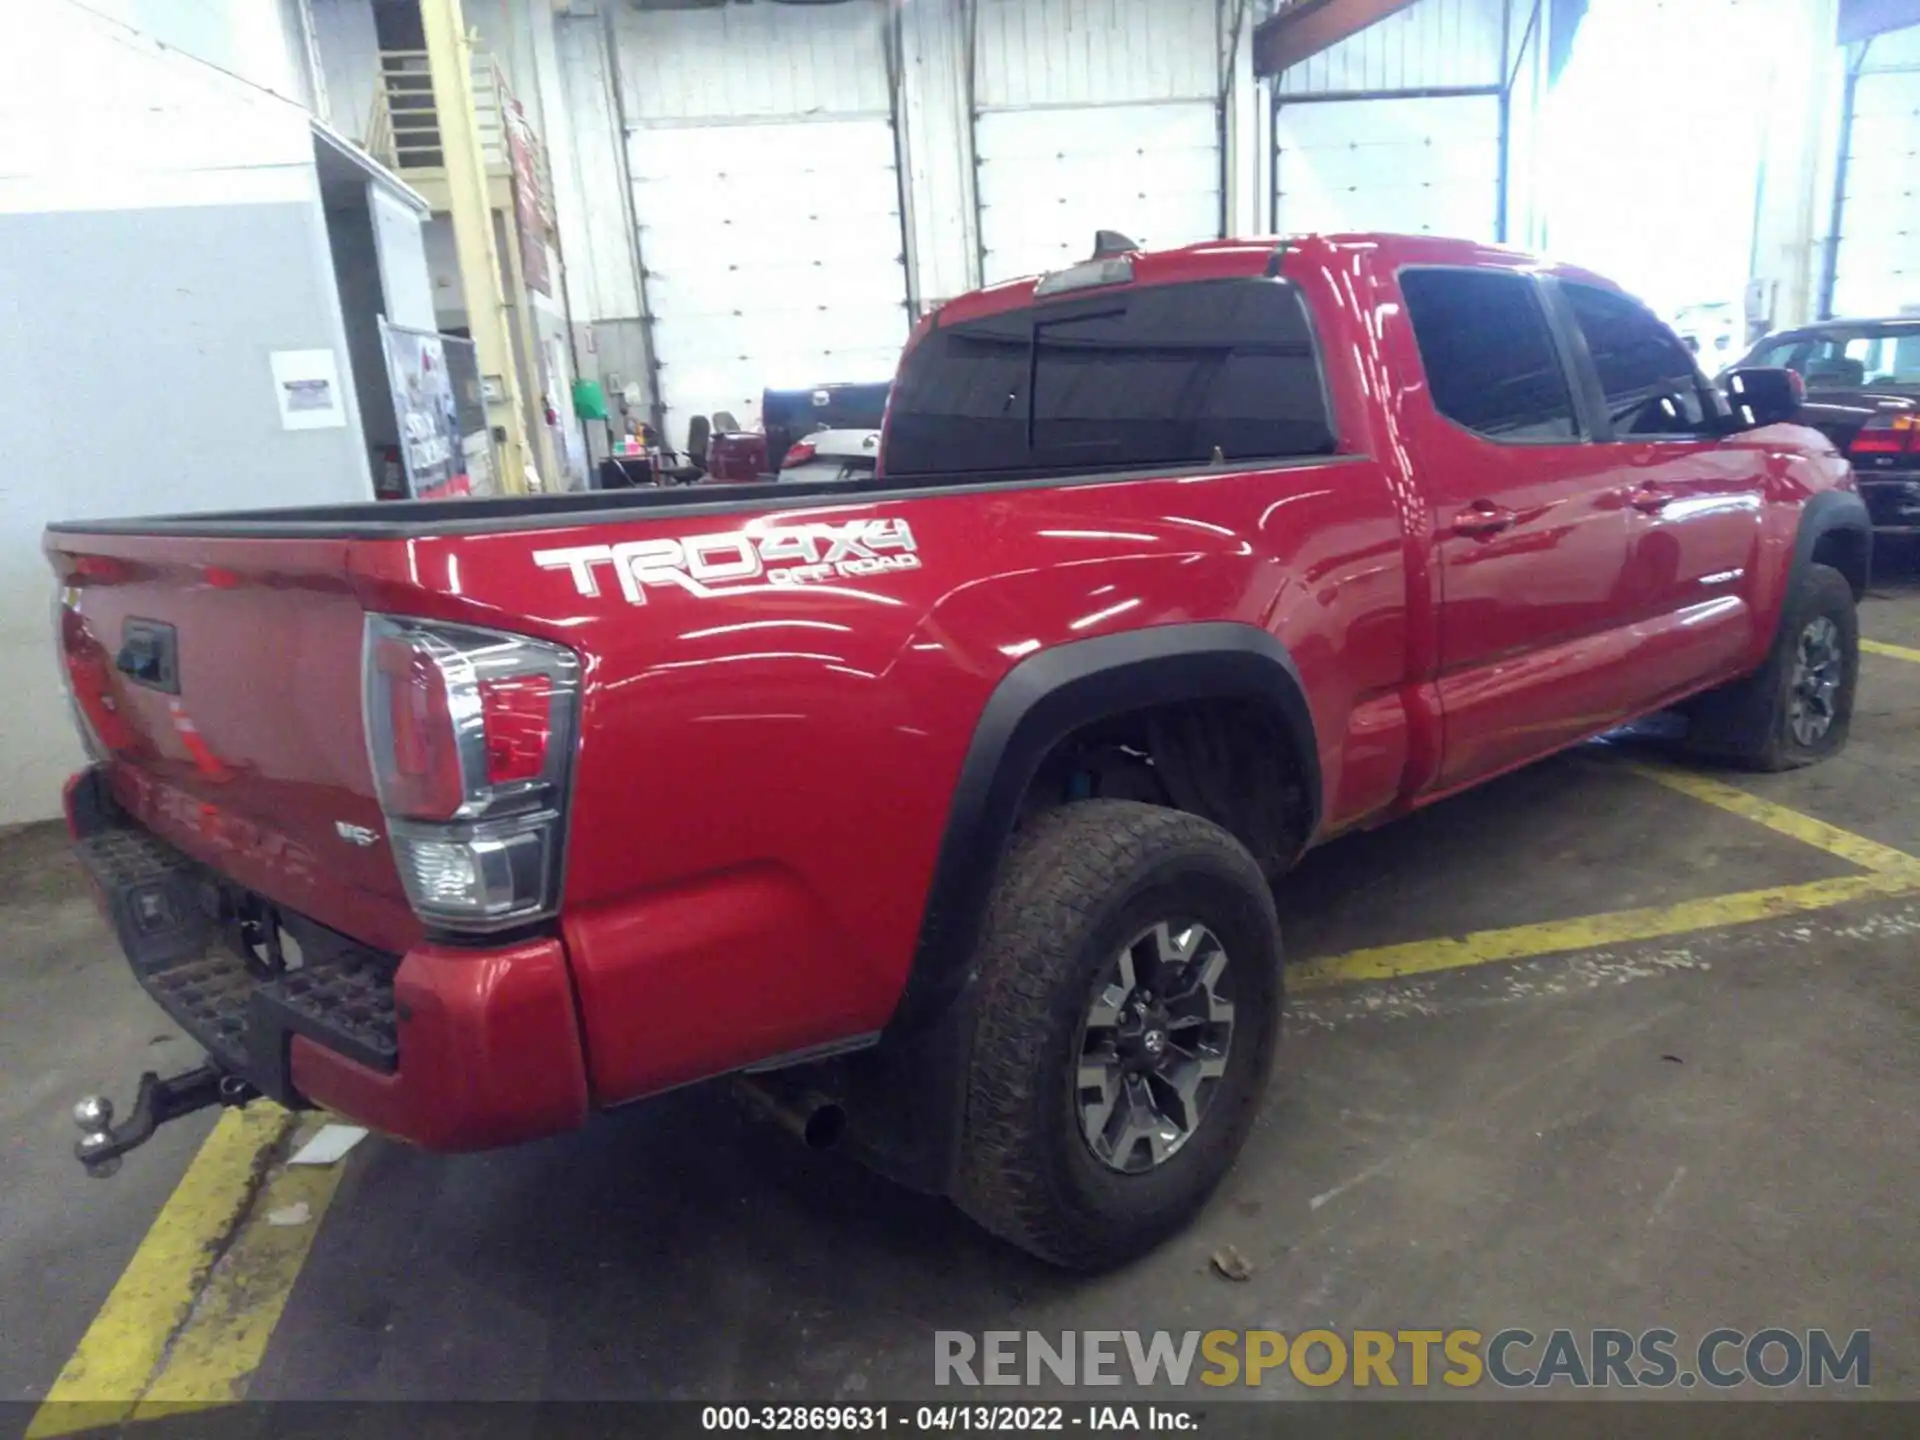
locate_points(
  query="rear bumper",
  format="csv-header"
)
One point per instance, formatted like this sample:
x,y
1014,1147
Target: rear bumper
x,y
1893,500
454,1049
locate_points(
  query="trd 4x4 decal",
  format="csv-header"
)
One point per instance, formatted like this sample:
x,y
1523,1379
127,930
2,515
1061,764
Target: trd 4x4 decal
x,y
707,565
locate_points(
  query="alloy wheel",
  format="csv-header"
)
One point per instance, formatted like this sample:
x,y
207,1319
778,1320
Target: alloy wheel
x,y
1818,668
1153,1045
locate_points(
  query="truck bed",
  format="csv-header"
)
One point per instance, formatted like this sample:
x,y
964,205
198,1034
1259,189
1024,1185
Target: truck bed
x,y
497,514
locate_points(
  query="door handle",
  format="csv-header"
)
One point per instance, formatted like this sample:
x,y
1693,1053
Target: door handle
x,y
1482,517
1648,498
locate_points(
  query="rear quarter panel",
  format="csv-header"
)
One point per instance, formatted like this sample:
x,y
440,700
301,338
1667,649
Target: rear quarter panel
x,y
765,772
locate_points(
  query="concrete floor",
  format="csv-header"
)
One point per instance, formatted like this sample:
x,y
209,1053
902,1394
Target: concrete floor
x,y
1716,1128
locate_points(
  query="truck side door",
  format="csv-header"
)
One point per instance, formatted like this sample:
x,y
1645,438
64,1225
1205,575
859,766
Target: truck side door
x,y
1693,496
1529,529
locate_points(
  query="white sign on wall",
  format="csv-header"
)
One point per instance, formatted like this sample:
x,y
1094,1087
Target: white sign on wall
x,y
306,385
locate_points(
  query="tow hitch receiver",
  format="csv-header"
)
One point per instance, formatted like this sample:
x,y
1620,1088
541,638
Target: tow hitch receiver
x,y
102,1143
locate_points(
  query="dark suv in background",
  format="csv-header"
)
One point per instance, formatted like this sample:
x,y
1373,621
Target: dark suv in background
x,y
1863,391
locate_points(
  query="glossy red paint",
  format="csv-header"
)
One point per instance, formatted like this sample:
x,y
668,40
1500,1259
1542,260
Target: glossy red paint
x,y
765,772
489,1052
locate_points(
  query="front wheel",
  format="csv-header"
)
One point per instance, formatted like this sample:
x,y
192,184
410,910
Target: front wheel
x,y
1129,1011
1797,709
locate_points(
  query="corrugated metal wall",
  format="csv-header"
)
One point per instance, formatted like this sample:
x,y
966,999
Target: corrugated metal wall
x,y
598,247
1093,114
1878,267
1361,141
1434,43
766,200
744,62
1092,52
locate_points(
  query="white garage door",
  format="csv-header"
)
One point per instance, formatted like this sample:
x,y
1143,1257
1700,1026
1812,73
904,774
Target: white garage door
x,y
1879,264
773,257
1427,166
1051,177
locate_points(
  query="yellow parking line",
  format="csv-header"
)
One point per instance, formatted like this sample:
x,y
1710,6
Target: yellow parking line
x,y
216,1353
1856,849
1896,652
189,1321
1589,932
127,1342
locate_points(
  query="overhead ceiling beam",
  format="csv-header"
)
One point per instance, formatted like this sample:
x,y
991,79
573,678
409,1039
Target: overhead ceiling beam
x,y
1864,19
1303,28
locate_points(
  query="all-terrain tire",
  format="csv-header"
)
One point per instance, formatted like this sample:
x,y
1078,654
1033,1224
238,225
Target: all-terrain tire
x,y
1076,887
1752,721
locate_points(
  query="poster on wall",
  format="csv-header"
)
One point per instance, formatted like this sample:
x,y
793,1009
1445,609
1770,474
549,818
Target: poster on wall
x,y
306,384
529,200
437,458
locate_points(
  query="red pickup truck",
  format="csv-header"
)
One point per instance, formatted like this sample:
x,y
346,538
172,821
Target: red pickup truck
x,y
943,805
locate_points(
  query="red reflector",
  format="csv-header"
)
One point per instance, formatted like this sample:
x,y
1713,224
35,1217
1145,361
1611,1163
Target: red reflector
x,y
801,452
426,761
516,720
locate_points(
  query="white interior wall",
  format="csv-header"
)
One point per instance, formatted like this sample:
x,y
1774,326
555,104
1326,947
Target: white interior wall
x,y
1878,261
1094,114
937,150
1362,141
349,50
165,240
767,202
405,278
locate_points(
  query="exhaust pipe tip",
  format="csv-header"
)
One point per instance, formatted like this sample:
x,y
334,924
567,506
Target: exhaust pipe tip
x,y
824,1126
813,1119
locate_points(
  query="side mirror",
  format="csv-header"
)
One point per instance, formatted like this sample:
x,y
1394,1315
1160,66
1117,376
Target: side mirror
x,y
1763,397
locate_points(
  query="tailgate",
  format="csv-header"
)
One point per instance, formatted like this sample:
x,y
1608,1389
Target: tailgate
x,y
223,678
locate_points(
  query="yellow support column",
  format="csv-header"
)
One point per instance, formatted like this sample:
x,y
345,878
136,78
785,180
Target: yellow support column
x,y
450,65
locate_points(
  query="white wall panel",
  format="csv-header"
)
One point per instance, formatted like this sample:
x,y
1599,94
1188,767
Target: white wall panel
x,y
1087,52
594,235
1430,44
349,61
773,255
739,62
1879,259
1409,166
936,145
406,281
1050,178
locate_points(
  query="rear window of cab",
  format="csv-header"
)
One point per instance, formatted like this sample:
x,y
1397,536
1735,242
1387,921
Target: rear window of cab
x,y
1161,375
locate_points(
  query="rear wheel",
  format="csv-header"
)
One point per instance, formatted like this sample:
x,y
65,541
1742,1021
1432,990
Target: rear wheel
x,y
1798,708
1130,1000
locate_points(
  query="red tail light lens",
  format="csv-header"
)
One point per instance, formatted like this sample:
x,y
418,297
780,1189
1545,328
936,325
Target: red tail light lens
x,y
471,737
516,718
1887,435
802,451
423,777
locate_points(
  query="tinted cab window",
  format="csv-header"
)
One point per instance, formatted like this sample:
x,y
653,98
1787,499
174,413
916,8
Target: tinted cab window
x,y
1489,357
1651,383
1164,375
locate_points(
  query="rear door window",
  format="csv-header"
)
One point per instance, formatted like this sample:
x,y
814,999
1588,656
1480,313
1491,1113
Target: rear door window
x,y
1651,383
1490,360
1166,375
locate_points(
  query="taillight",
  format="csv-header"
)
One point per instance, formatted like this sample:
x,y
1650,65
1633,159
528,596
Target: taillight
x,y
89,684
801,452
471,736
1888,435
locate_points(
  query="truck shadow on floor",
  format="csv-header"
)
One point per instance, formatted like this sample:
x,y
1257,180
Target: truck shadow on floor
x,y
678,1249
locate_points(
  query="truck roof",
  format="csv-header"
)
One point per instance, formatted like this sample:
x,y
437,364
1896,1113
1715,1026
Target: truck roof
x,y
1262,255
